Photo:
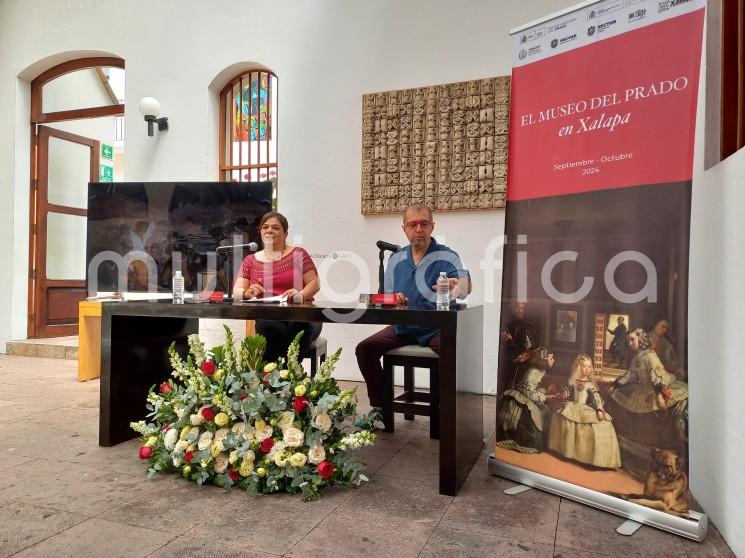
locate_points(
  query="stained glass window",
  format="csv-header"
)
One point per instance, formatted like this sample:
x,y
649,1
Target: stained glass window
x,y
248,127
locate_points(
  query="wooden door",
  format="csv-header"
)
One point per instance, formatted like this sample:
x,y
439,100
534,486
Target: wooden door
x,y
65,164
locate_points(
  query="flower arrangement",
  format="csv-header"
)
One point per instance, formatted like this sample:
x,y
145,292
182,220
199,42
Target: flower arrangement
x,y
230,419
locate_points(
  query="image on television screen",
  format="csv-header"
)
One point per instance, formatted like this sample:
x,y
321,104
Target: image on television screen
x,y
177,225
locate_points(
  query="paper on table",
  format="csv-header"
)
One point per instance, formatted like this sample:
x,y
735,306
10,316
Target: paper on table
x,y
269,299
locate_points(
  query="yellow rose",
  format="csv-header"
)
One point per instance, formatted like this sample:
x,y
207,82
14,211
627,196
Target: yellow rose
x,y
151,441
314,393
269,368
298,459
261,472
273,422
184,432
233,457
286,419
259,424
300,390
246,468
284,374
215,449
280,460
186,471
219,373
249,456
221,419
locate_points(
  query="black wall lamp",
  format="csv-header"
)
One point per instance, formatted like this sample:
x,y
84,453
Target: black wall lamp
x,y
150,108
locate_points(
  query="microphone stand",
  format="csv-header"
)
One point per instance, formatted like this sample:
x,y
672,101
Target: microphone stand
x,y
227,252
381,270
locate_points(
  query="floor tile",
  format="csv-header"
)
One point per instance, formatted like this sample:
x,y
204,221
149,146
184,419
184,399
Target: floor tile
x,y
589,529
175,507
530,516
204,548
362,532
97,537
453,543
22,525
71,487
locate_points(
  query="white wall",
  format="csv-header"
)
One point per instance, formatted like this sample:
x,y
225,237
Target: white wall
x,y
327,54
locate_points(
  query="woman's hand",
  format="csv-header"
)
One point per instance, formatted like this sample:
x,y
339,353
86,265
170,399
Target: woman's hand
x,y
293,295
253,290
401,299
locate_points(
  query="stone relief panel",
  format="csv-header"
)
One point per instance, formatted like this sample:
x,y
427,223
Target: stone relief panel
x,y
443,145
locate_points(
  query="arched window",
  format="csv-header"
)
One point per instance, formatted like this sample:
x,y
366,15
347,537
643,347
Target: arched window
x,y
248,127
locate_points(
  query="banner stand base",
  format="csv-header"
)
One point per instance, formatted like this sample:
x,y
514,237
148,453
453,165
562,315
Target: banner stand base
x,y
695,526
628,527
517,489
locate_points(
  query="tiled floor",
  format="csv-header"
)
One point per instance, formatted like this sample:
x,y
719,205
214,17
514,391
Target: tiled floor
x,y
62,495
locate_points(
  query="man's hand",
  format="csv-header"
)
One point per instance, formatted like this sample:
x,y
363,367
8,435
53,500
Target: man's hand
x,y
453,286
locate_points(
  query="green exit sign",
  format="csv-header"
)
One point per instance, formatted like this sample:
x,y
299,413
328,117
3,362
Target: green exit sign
x,y
106,174
107,152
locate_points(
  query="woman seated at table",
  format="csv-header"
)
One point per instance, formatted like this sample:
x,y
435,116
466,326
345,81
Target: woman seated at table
x,y
279,270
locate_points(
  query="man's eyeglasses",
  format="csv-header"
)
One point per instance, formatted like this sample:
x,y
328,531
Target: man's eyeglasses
x,y
412,225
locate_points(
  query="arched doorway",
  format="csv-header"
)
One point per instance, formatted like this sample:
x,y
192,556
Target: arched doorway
x,y
77,110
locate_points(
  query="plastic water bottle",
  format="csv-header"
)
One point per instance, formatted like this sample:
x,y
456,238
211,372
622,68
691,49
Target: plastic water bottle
x,y
178,288
443,292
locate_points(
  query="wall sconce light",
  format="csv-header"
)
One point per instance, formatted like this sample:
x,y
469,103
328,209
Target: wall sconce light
x,y
150,108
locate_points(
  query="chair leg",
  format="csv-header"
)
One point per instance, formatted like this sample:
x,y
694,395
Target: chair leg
x,y
313,365
388,401
434,401
408,387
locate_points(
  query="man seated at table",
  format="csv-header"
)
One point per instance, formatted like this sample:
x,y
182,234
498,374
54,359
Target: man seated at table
x,y
421,261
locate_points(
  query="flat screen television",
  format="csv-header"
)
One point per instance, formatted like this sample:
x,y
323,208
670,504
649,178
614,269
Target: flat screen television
x,y
175,224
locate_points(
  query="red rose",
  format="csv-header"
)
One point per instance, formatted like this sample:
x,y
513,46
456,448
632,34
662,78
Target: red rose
x,y
145,452
267,444
299,403
166,427
242,397
325,469
208,413
233,474
208,367
165,388
188,456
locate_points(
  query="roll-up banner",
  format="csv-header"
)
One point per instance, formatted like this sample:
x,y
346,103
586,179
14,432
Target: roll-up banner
x,y
593,371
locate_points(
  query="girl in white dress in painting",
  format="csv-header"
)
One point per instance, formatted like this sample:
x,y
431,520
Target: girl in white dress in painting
x,y
581,429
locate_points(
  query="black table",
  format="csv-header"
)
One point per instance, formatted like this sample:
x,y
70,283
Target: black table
x,y
135,337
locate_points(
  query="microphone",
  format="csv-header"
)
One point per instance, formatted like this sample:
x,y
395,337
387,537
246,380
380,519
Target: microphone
x,y
251,247
383,245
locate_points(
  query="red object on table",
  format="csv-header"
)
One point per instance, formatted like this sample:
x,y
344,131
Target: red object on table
x,y
388,299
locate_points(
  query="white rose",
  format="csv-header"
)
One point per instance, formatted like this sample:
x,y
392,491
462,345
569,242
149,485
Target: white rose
x,y
249,433
263,433
170,439
285,420
238,429
294,437
249,456
181,445
205,440
221,434
277,449
324,422
196,419
221,463
316,455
